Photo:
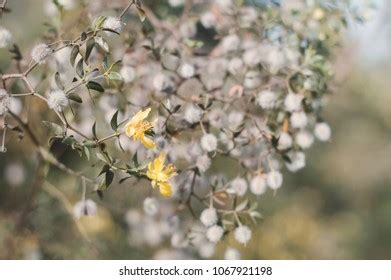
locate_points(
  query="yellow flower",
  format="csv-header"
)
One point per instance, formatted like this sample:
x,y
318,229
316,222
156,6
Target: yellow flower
x,y
138,126
160,175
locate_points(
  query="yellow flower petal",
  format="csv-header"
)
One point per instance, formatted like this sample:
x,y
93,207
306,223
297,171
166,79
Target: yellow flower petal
x,y
140,116
129,129
148,143
159,174
137,127
165,189
159,162
170,171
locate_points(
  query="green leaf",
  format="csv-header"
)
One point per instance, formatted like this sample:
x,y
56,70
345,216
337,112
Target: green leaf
x,y
70,140
105,168
100,194
105,64
17,54
90,144
87,152
242,206
95,86
102,44
114,121
83,36
287,159
101,157
115,76
89,47
74,97
94,130
176,109
109,178
141,14
274,141
98,22
135,160
80,68
194,44
74,53
57,78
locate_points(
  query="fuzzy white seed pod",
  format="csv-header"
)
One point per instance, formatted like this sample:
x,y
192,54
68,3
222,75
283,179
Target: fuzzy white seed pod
x,y
252,57
40,52
232,254
203,163
209,217
214,233
16,105
208,20
15,174
52,10
242,234
258,185
133,217
161,82
186,71
68,4
226,5
248,16
322,131
274,180
114,23
207,250
235,66
226,141
276,61
299,120
230,43
209,142
151,206
128,74
304,139
217,118
267,99
85,208
293,102
5,101
284,141
5,37
235,119
297,161
176,3
192,114
239,186
252,80
179,240
57,100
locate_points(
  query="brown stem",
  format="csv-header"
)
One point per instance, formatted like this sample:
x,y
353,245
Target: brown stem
x,y
131,3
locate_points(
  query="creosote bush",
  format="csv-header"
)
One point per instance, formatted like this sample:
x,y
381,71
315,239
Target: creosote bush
x,y
174,101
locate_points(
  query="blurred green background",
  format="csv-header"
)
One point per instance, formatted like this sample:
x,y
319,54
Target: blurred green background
x,y
338,207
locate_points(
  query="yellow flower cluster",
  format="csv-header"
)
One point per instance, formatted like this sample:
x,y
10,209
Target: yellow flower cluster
x,y
137,127
158,173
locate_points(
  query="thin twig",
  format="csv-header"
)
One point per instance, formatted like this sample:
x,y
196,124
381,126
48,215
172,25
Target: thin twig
x,y
131,3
